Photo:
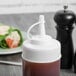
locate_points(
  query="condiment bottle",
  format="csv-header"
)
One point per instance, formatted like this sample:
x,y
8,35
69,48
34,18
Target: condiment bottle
x,y
41,53
65,20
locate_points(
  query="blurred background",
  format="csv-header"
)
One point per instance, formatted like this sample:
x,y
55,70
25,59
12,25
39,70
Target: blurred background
x,y
22,13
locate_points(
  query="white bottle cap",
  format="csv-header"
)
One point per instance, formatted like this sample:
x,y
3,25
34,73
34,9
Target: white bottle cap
x,y
41,48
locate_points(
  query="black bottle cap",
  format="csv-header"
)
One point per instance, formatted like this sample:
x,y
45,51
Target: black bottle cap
x,y
64,17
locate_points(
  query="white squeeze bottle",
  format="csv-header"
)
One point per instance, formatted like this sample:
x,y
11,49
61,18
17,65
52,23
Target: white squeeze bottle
x,y
41,53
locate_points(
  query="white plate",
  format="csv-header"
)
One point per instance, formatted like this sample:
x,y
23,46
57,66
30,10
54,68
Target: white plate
x,y
10,51
13,50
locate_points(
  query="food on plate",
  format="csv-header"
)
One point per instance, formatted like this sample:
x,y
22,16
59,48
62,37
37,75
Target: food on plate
x,y
10,37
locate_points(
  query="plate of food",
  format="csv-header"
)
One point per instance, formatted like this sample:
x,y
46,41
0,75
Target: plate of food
x,y
11,40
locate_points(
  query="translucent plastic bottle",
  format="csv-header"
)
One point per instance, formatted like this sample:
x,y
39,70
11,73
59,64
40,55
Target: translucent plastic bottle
x,y
41,54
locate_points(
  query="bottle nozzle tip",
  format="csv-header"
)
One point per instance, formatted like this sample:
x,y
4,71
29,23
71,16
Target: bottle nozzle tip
x,y
41,17
42,26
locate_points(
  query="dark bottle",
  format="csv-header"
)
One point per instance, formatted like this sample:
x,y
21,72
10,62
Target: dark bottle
x,y
41,69
65,19
75,63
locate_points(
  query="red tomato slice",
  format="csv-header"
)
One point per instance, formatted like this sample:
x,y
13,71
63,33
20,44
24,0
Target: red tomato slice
x,y
10,43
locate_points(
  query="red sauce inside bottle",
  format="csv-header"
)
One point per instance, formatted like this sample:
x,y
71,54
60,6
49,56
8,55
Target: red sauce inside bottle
x,y
41,69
